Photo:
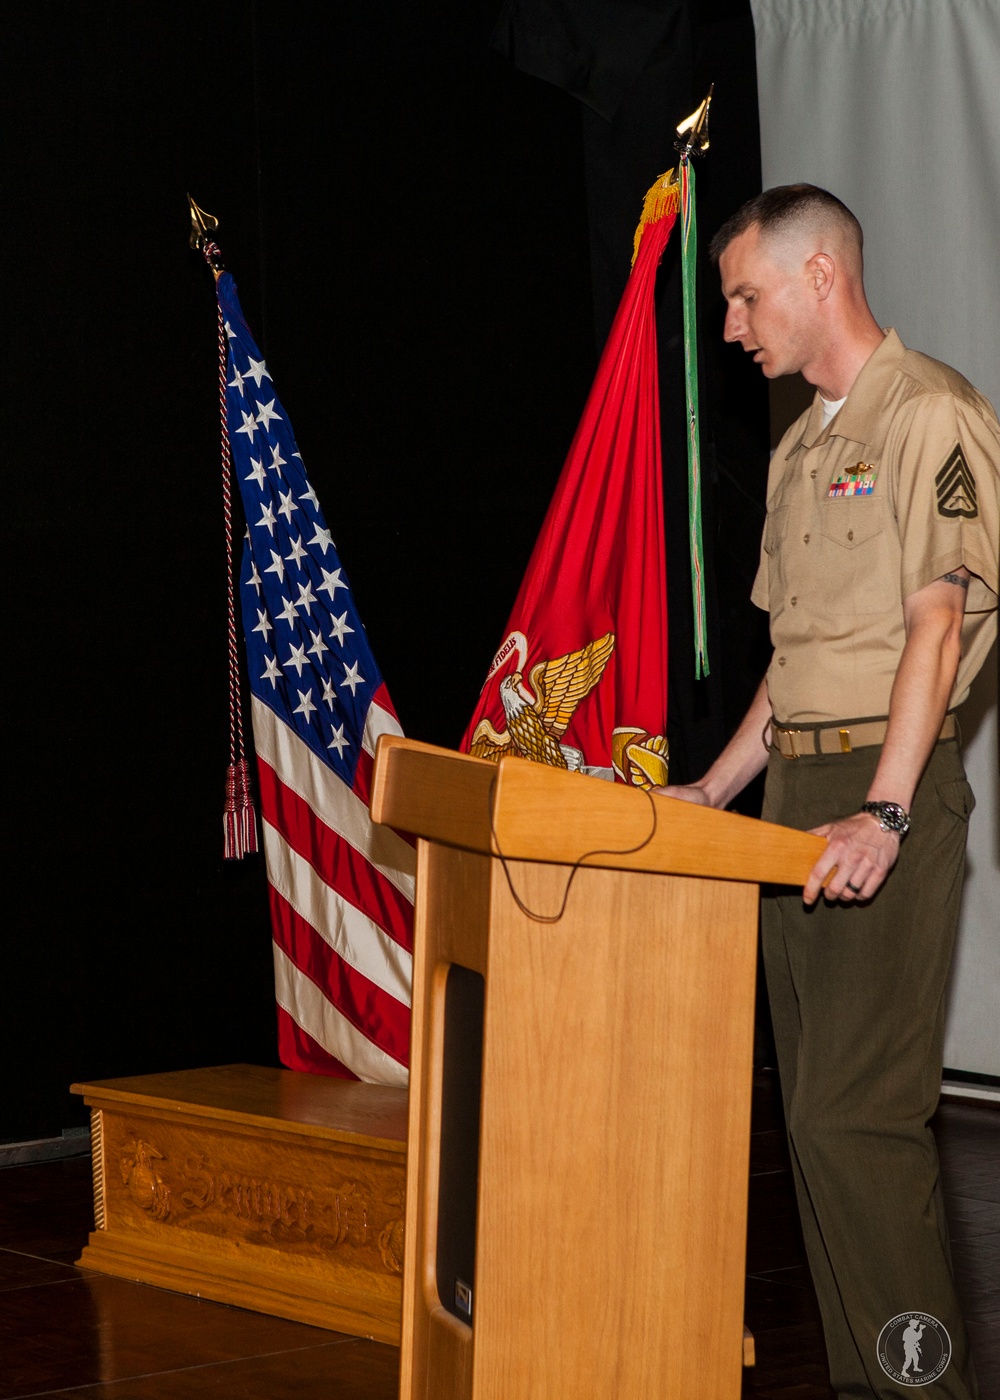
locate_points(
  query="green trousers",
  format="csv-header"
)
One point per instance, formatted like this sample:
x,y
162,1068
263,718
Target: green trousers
x,y
857,1005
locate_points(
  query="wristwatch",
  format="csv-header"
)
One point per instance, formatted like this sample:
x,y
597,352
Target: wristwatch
x,y
891,816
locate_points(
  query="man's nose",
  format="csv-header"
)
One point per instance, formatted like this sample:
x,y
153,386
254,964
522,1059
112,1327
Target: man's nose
x,y
735,324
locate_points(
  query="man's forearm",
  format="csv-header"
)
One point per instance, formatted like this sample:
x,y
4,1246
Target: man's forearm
x,y
743,757
920,696
861,849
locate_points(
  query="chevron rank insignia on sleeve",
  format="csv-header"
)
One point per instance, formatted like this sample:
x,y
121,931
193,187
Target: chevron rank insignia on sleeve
x,y
956,488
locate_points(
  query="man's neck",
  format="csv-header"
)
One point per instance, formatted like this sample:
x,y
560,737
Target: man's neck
x,y
834,373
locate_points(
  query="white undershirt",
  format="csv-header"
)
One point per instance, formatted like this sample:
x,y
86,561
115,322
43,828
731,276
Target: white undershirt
x,y
830,408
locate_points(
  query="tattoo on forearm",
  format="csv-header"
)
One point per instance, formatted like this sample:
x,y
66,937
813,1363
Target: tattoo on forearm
x,y
955,578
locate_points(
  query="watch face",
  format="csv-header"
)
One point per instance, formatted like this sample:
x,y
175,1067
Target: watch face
x,y
890,815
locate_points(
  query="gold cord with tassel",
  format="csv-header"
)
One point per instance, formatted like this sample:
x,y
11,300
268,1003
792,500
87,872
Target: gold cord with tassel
x,y
239,816
662,198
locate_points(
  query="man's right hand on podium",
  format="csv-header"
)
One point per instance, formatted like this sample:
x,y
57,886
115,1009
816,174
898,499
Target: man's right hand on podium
x,y
741,760
690,792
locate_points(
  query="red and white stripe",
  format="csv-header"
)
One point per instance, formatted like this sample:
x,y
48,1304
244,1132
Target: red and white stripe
x,y
341,891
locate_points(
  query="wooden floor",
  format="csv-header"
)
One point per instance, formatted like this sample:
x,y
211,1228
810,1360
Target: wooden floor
x,y
66,1331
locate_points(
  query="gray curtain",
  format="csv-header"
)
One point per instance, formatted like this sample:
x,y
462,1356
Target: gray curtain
x,y
894,105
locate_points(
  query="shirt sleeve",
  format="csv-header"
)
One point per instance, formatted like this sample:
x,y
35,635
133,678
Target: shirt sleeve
x,y
946,483
758,594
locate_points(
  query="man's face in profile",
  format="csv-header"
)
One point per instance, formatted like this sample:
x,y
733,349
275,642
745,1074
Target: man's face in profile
x,y
769,311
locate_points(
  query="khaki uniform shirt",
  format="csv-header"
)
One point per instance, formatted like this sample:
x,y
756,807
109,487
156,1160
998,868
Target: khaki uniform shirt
x,y
901,487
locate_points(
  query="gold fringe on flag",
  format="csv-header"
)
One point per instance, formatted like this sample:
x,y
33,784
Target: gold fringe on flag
x,y
662,198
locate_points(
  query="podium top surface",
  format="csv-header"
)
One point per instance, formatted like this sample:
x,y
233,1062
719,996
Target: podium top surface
x,y
310,1105
529,811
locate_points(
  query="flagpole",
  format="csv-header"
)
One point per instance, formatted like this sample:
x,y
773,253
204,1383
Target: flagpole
x,y
239,817
693,141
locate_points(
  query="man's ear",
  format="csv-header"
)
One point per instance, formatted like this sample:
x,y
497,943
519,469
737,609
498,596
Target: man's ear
x,y
821,270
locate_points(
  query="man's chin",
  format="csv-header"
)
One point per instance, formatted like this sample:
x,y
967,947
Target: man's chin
x,y
774,369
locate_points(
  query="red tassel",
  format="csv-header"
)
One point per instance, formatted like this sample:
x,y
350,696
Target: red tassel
x,y
239,816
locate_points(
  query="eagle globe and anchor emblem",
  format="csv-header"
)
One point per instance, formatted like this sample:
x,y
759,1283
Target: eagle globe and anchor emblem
x,y
537,714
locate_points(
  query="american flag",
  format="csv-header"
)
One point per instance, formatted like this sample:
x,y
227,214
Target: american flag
x,y
341,888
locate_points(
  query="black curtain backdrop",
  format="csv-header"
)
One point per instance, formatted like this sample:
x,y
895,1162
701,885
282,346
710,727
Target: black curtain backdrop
x,y
424,238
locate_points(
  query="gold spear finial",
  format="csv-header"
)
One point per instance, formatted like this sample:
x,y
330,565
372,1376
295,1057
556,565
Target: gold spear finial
x,y
693,130
202,225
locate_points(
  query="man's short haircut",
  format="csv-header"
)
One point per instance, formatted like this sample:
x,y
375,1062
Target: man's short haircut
x,y
781,208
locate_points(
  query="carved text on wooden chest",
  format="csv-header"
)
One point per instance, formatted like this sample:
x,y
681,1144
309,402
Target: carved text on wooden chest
x,y
295,1198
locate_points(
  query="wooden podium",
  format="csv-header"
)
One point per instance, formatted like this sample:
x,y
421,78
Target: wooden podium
x,y
578,1142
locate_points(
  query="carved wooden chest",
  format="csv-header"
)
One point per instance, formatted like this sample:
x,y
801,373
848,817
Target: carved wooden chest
x,y
260,1187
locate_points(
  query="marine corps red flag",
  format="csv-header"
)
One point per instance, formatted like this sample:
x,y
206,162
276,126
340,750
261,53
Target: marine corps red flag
x,y
580,678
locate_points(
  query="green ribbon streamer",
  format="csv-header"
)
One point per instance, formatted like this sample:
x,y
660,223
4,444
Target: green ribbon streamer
x,y
689,272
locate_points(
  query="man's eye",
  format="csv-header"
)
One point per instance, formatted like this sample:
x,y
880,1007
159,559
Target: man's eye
x,y
749,300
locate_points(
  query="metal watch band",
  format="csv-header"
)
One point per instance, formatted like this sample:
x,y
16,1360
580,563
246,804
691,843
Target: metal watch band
x,y
891,816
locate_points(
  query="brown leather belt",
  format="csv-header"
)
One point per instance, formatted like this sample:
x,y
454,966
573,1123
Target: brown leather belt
x,y
797,743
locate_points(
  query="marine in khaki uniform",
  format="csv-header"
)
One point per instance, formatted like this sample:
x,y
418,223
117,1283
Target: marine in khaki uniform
x,y
879,572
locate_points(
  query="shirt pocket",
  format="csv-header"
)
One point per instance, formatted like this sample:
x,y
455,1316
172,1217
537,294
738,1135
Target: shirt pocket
x,y
857,538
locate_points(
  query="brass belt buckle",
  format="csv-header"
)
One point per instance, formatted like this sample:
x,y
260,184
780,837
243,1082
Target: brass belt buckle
x,y
792,735
845,740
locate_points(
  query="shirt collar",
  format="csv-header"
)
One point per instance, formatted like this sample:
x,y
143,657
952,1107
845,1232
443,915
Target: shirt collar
x,y
858,419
